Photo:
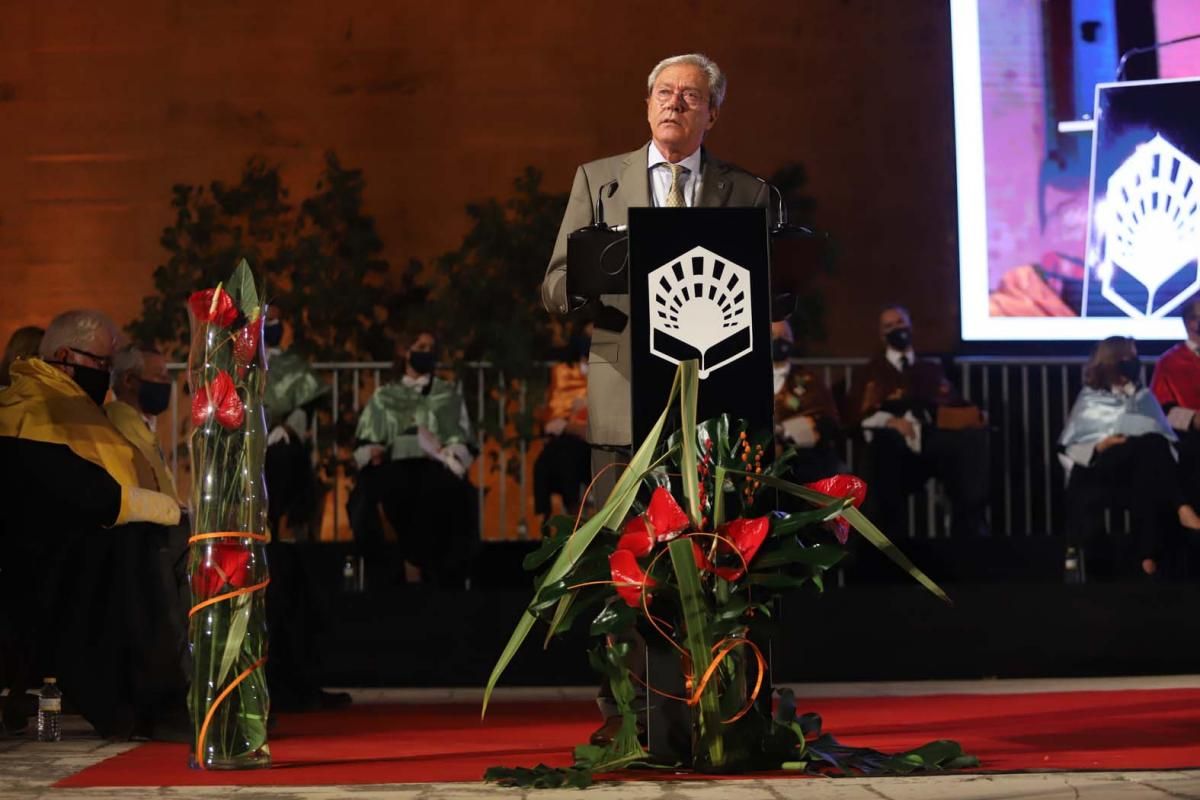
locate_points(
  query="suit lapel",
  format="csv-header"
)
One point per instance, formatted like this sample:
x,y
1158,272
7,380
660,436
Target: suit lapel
x,y
715,185
633,186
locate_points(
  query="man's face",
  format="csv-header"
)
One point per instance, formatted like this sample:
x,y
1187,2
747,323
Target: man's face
x,y
679,109
893,319
155,368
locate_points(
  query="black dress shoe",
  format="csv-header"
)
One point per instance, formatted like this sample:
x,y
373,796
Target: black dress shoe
x,y
333,699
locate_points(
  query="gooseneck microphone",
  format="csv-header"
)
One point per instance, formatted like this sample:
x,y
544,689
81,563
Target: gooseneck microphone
x,y
599,216
1150,48
782,227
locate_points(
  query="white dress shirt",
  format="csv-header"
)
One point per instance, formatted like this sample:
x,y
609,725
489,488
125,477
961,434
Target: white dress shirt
x,y
660,177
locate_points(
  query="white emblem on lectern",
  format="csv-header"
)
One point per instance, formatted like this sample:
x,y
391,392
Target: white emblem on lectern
x,y
700,309
1147,226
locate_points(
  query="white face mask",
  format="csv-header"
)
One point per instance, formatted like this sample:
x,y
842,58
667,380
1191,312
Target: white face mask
x,y
781,373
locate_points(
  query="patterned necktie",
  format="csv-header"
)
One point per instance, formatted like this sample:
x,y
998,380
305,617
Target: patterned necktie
x,y
675,193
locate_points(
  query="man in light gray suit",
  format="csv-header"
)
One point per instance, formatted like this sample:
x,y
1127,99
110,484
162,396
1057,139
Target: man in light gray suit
x,y
684,96
683,100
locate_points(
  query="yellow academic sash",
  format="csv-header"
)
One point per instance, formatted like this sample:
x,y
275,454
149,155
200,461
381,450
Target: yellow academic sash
x,y
43,404
129,423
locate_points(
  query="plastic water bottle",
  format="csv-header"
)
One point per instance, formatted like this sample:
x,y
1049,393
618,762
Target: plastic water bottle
x,y
49,717
349,578
1073,566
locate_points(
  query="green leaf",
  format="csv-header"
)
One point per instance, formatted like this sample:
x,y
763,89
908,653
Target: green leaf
x,y
609,515
242,290
555,533
697,638
613,618
689,393
797,520
239,619
860,524
820,556
771,580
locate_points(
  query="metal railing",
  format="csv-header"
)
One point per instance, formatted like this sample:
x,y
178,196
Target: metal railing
x,y
1026,401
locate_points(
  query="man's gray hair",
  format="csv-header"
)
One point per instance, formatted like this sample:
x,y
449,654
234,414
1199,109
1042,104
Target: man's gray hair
x,y
81,329
716,78
130,358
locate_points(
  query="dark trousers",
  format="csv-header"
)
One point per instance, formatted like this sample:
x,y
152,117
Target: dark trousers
x,y
291,488
434,513
958,458
1141,473
563,467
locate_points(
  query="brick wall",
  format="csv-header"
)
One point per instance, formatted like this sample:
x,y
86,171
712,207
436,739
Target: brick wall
x,y
103,106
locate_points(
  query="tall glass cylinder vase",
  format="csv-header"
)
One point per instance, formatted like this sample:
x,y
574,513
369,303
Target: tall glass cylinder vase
x,y
227,565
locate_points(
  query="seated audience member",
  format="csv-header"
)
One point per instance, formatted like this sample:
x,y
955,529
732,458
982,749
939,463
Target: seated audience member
x,y
141,390
96,609
292,390
917,426
564,466
415,447
1118,441
1176,384
22,344
805,415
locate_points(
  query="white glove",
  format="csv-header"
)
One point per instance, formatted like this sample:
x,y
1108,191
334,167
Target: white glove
x,y
800,430
430,444
555,427
367,453
452,463
277,435
144,505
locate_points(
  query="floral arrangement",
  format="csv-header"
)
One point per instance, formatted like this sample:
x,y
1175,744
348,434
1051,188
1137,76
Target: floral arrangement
x,y
227,565
699,578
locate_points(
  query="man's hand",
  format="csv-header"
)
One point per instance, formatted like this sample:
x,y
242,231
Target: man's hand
x,y
555,427
1111,441
377,453
903,427
430,444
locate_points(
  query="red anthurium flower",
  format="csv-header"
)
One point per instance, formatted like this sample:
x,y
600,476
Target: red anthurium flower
x,y
219,398
667,520
842,486
629,577
747,536
637,537
213,305
224,565
245,343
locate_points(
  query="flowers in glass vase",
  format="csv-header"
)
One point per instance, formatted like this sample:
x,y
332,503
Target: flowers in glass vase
x,y
227,563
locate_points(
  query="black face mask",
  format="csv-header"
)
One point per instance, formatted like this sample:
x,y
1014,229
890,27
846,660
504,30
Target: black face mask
x,y
899,338
154,397
94,382
1131,368
422,362
273,333
781,350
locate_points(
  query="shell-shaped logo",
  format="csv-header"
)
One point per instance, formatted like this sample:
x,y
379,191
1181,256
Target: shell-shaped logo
x,y
700,309
1148,227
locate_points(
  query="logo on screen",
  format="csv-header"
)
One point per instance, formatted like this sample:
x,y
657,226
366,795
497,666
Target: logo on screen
x,y
1147,231
700,309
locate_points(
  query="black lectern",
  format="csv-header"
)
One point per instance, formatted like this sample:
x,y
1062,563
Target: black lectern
x,y
700,288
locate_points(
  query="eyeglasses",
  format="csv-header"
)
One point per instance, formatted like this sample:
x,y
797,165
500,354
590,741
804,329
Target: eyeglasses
x,y
104,361
694,98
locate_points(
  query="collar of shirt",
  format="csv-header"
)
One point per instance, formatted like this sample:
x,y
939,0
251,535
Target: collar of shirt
x,y
660,177
893,357
416,383
781,375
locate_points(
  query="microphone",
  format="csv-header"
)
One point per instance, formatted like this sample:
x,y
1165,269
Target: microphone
x,y
782,227
1150,48
599,217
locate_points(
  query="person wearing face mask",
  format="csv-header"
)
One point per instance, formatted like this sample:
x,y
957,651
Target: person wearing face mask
x,y
564,465
292,391
22,344
77,561
414,449
1176,384
142,391
806,417
1117,440
917,426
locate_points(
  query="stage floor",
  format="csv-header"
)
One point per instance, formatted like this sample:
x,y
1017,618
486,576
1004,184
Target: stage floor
x,y
1148,723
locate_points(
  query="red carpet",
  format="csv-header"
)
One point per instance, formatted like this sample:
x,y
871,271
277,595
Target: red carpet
x,y
1126,730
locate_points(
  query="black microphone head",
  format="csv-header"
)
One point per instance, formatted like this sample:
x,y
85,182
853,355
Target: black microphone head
x,y
599,216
